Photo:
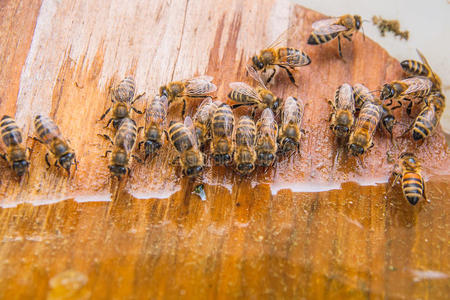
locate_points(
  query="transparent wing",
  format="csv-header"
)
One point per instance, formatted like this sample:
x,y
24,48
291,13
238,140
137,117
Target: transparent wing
x,y
191,131
282,38
268,126
204,110
295,60
327,26
422,57
50,131
156,110
245,89
242,134
435,76
256,76
200,86
345,98
292,111
417,83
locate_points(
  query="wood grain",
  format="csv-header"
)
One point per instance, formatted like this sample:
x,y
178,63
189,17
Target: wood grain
x,y
305,228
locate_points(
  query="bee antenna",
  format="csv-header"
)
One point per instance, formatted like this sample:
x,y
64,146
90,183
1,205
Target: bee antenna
x,y
364,35
374,91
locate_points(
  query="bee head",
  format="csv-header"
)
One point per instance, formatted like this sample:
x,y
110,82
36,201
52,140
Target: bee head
x,y
257,63
66,161
387,92
163,91
194,171
151,147
358,21
20,167
117,170
356,149
265,158
245,167
341,130
276,104
222,158
388,122
289,144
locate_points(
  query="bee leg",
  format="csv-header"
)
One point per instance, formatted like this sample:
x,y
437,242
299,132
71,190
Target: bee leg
x,y
138,159
339,46
253,112
3,156
390,102
109,122
140,144
105,113
46,160
106,154
183,110
409,108
106,137
396,178
407,130
271,76
136,111
167,135
349,38
291,77
234,106
137,98
140,129
38,140
423,191
398,106
76,164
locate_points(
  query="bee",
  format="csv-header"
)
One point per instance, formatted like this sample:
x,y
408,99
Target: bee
x,y
123,145
197,87
16,153
361,139
361,93
182,137
244,139
50,135
266,139
415,68
122,98
259,97
290,134
328,29
413,87
342,116
428,119
222,125
155,118
202,120
409,171
286,58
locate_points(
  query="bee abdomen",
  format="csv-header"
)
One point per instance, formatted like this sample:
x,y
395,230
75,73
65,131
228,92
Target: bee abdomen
x,y
423,126
239,97
294,56
316,39
414,68
10,131
125,90
45,128
178,135
412,186
223,121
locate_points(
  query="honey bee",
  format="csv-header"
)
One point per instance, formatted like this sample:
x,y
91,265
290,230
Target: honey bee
x,y
361,93
286,58
202,120
409,171
259,97
182,137
412,87
123,145
50,135
428,119
222,125
342,116
155,119
415,68
16,153
290,134
197,87
244,139
361,139
328,29
266,139
122,98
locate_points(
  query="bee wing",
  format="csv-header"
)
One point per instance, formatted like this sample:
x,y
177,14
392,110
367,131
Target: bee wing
x,y
203,111
270,128
245,135
200,86
417,83
292,111
289,60
155,115
282,38
245,89
422,57
346,100
255,75
425,61
327,26
191,131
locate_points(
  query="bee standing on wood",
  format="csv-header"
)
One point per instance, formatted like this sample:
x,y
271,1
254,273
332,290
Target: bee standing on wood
x,y
50,135
259,97
222,126
342,116
245,139
408,170
361,93
16,153
155,119
202,120
123,145
290,133
266,139
287,58
122,98
328,29
412,87
198,87
182,137
415,68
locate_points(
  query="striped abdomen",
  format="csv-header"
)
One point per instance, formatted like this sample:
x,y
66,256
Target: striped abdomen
x,y
126,135
245,132
316,39
124,91
10,132
179,136
222,123
413,67
425,123
369,116
293,56
412,186
46,129
239,97
361,93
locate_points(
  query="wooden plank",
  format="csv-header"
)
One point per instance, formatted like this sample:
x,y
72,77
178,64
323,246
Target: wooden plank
x,y
285,232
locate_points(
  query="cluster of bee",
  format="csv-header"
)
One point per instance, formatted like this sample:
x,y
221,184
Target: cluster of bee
x,y
246,143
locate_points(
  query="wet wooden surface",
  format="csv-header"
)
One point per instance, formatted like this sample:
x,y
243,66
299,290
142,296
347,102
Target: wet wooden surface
x,y
305,228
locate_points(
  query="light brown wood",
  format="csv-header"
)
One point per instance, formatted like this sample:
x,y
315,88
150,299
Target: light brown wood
x,y
304,228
